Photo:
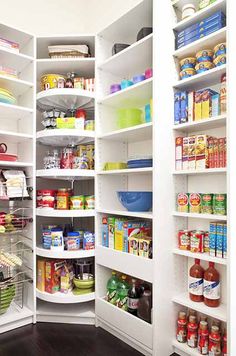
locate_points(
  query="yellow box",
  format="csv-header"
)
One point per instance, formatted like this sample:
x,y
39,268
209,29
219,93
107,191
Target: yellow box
x,y
65,122
41,275
198,106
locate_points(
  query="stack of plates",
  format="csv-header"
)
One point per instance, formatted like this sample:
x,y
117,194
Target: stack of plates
x,y
7,97
139,162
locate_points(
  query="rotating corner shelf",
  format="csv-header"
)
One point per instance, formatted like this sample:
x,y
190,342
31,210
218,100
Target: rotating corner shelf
x,y
65,98
64,174
62,298
64,137
64,254
64,213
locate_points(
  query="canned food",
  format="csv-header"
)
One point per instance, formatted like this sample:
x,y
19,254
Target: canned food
x,y
184,239
220,49
194,203
197,241
205,56
46,198
206,203
186,73
220,60
183,202
77,202
188,62
50,81
89,202
204,66
219,204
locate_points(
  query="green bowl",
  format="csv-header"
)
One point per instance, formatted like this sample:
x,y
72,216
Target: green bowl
x,y
83,283
129,117
78,291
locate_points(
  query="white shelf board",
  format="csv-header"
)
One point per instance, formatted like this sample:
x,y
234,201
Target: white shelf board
x,y
71,174
206,124
64,254
85,67
201,256
136,328
136,95
14,137
207,42
12,112
62,298
16,86
219,5
201,216
64,213
120,63
219,313
64,98
141,267
131,134
127,171
185,348
199,81
64,137
15,164
143,215
13,314
203,171
18,61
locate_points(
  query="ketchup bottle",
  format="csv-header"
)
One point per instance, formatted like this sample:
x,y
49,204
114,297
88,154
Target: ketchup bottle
x,y
195,282
181,334
214,342
192,332
224,351
211,290
203,338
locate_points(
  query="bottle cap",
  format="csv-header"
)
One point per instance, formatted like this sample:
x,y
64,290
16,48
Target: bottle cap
x,y
182,315
215,329
203,325
192,319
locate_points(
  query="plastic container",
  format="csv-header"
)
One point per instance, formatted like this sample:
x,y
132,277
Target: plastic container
x,y
129,117
205,55
204,66
188,62
145,31
148,73
189,72
136,201
126,84
114,88
220,60
118,47
74,241
138,78
188,10
220,49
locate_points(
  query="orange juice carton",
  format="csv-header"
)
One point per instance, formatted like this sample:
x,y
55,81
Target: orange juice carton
x,y
207,103
41,275
178,153
185,153
191,101
198,106
145,247
201,152
191,152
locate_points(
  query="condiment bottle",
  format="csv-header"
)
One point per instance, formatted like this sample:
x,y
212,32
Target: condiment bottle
x,y
214,342
192,332
203,338
133,298
224,351
195,282
181,334
211,289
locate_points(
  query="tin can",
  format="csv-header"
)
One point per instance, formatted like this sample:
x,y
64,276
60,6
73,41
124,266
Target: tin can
x,y
89,202
206,203
184,239
77,202
197,241
47,198
183,202
219,204
206,244
194,203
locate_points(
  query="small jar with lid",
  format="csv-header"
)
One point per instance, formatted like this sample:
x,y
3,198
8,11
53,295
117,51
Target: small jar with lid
x,y
188,10
63,196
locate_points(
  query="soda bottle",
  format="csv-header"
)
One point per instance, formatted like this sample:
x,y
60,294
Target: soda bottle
x,y
181,334
122,294
214,342
145,306
133,298
211,288
224,351
203,338
195,282
192,332
112,288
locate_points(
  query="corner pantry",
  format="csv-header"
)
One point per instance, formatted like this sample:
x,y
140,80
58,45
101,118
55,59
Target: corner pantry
x,y
116,186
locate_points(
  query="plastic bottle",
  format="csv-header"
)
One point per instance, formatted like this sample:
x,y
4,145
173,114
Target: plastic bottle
x,y
133,298
224,351
181,334
211,289
192,334
195,282
112,288
122,293
214,342
145,306
203,338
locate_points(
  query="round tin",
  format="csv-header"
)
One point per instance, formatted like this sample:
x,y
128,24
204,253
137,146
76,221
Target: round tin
x,y
220,49
189,72
205,55
204,66
188,62
220,60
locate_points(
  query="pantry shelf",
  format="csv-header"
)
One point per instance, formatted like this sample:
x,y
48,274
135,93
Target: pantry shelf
x,y
120,63
136,95
209,41
71,174
64,213
14,137
219,313
185,348
13,112
18,61
141,267
15,164
219,5
203,171
143,215
64,254
64,98
127,171
16,86
200,216
131,134
64,137
62,298
211,123
201,256
198,81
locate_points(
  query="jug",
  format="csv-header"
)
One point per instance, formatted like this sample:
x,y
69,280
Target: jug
x,y
3,148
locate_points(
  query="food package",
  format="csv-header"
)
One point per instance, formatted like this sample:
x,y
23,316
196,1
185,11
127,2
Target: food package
x,y
41,275
192,152
185,164
201,152
52,276
178,153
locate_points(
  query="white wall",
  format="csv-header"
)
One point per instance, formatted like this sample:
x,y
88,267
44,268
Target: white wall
x,y
50,17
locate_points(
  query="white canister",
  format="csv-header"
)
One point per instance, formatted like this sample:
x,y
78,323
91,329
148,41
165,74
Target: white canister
x,y
188,10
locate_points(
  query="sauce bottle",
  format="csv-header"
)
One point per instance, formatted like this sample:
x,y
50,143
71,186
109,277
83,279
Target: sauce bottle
x,y
195,282
214,342
133,298
224,351
211,290
192,332
203,338
181,334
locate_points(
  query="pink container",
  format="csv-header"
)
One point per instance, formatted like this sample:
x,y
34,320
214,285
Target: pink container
x,y
148,73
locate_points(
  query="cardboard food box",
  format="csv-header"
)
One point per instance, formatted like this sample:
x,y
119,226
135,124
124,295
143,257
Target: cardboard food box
x,y
65,122
211,160
111,232
145,247
185,164
216,152
184,107
177,113
41,275
207,103
198,106
191,152
105,234
178,153
134,245
52,277
215,102
222,152
191,101
201,152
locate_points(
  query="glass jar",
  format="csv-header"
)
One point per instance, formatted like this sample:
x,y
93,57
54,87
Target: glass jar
x,y
63,199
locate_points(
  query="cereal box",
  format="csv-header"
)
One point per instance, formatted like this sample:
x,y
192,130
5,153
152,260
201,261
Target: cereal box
x,y
201,152
191,100
52,277
198,106
105,234
119,235
207,103
134,245
88,241
185,153
211,160
191,152
177,98
215,105
41,275
225,241
219,245
145,247
212,239
222,152
216,152
184,107
178,153
111,232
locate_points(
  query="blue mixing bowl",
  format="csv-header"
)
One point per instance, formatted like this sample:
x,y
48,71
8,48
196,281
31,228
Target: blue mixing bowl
x,y
136,201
